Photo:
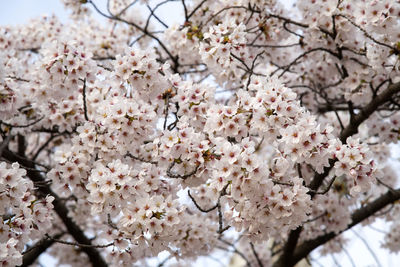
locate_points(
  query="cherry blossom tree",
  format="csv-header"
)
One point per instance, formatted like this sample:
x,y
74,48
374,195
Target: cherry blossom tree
x,y
246,127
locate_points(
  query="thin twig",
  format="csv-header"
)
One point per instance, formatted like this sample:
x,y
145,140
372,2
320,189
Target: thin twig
x,y
44,146
140,159
256,255
327,188
252,69
198,206
282,183
368,247
78,244
22,126
184,176
145,31
84,100
368,35
195,9
185,10
348,255
152,14
235,250
303,55
272,46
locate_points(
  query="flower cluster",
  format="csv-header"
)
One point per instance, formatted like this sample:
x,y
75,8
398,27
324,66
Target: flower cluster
x,y
276,208
355,161
114,189
245,119
68,68
23,217
185,154
66,65
138,70
7,100
318,12
9,255
221,44
194,101
68,255
185,42
78,7
387,130
330,213
392,238
263,252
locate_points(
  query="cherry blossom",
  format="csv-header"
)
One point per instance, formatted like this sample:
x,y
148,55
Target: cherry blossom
x,y
242,127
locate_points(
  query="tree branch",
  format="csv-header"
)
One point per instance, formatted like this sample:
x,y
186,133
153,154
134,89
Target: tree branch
x,y
358,216
73,229
145,31
31,255
318,179
84,100
78,244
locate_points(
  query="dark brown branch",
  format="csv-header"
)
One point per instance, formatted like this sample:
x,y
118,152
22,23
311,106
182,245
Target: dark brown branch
x,y
327,188
289,247
288,20
253,64
384,184
152,14
256,255
21,145
332,108
140,159
315,218
198,206
251,14
368,35
59,207
185,10
110,222
184,176
103,58
368,247
166,110
18,79
137,40
227,8
318,179
22,126
303,55
165,260
44,146
78,244
352,128
4,144
235,250
33,253
273,46
195,9
145,31
290,31
358,216
84,100
221,227
370,108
